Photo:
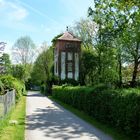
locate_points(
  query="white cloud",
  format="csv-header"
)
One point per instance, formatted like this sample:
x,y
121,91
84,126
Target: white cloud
x,y
12,11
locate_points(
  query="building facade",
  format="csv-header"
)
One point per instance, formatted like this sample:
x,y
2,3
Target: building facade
x,y
66,56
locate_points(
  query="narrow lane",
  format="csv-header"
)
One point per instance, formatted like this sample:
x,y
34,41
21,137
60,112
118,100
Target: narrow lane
x,y
46,120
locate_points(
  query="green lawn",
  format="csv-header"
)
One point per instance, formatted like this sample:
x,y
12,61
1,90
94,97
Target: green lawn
x,y
105,128
14,131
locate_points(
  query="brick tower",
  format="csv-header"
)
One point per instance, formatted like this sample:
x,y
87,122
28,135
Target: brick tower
x,y
66,56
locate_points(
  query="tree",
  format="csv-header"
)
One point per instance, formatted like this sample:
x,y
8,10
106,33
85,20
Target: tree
x,y
118,23
55,39
42,69
133,40
85,29
24,50
18,71
88,31
5,59
24,54
88,66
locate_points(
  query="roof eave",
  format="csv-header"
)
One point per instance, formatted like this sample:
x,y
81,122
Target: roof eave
x,y
69,40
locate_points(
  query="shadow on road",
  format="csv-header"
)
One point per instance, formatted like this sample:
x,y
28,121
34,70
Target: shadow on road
x,y
58,123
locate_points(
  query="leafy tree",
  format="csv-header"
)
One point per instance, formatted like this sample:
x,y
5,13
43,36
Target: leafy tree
x,y
118,25
96,42
5,59
55,39
85,29
88,66
18,71
42,69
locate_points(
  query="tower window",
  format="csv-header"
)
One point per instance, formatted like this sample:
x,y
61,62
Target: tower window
x,y
69,67
70,55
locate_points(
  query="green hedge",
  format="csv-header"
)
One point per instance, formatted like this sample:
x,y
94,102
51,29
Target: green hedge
x,y
8,82
119,108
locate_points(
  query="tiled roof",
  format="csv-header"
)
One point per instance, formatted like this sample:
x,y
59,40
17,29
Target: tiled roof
x,y
68,36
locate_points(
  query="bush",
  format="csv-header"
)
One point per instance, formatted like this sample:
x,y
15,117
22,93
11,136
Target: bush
x,y
119,108
10,82
43,88
1,87
69,82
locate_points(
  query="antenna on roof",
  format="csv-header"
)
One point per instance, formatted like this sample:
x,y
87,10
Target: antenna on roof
x,y
67,28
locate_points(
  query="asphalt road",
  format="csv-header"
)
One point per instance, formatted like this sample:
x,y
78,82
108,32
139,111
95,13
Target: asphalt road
x,y
46,120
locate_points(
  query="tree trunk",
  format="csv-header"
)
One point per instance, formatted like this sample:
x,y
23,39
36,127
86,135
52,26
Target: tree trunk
x,y
100,67
82,79
136,63
120,70
134,76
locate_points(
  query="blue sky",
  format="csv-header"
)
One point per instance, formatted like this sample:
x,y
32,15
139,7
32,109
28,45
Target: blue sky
x,y
39,19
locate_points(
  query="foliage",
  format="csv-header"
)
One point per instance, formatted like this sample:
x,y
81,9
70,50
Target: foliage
x,y
42,66
18,71
42,69
98,57
119,108
69,81
1,87
55,39
88,66
109,130
85,30
21,72
43,88
23,55
5,59
118,26
9,82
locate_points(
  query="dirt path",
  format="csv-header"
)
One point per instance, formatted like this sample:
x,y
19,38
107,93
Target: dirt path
x,y
47,120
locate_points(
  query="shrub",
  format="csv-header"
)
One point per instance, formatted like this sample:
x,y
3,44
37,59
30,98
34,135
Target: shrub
x,y
69,81
1,87
10,82
43,88
119,108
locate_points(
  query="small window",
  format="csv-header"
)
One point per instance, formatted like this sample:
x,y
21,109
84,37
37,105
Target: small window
x,y
70,56
68,45
69,67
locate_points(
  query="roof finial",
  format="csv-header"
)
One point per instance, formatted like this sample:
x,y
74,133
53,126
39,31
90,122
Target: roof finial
x,y
67,28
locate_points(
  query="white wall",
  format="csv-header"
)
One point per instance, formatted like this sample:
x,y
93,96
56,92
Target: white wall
x,y
76,66
70,75
56,66
63,65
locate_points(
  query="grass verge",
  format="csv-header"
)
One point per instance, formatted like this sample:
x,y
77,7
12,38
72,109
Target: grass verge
x,y
114,133
14,131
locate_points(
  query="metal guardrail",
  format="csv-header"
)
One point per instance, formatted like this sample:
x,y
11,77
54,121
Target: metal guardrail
x,y
7,101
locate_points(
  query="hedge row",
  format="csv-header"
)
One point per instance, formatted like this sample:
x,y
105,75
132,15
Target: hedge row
x,y
119,108
7,82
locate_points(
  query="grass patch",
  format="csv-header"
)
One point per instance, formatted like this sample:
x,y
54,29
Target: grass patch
x,y
14,131
117,135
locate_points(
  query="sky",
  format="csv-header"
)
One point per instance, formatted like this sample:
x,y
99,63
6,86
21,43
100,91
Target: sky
x,y
39,19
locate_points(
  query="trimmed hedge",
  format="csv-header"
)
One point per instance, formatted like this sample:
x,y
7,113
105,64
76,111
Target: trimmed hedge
x,y
119,108
8,82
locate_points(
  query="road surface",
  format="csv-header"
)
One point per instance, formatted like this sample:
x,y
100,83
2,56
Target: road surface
x,y
46,120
